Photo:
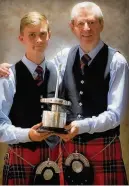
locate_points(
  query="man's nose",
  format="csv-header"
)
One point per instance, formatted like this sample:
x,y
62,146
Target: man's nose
x,y
86,26
38,39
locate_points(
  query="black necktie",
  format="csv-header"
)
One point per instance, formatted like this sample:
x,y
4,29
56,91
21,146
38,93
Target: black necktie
x,y
39,78
84,61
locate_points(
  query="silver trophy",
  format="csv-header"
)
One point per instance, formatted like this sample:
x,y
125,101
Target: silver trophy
x,y
55,119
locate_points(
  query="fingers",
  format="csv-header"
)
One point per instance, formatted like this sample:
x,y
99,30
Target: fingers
x,y
4,73
68,127
4,69
6,65
34,135
35,127
65,137
72,132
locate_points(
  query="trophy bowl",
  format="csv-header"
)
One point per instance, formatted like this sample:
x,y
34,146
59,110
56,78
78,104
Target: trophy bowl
x,y
54,120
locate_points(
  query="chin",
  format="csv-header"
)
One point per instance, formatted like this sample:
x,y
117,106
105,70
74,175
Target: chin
x,y
86,40
39,49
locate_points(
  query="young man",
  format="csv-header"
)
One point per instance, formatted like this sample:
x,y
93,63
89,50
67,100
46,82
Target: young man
x,y
20,108
96,82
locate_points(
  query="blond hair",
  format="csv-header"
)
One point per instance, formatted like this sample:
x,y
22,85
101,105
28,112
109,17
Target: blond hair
x,y
89,6
32,18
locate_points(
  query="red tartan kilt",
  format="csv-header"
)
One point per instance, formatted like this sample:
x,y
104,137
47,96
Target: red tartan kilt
x,y
19,172
108,165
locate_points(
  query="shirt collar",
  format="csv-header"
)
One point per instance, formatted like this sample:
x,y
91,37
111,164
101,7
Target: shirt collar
x,y
32,66
93,52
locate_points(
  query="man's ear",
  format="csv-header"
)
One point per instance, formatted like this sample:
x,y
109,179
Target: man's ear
x,y
49,34
102,25
71,25
20,37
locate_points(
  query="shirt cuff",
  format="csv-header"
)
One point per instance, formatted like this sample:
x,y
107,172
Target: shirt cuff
x,y
83,126
23,136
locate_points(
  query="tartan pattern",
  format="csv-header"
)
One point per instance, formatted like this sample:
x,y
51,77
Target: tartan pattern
x,y
17,171
39,78
108,165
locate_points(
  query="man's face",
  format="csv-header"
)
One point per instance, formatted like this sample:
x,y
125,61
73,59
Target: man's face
x,y
87,27
35,37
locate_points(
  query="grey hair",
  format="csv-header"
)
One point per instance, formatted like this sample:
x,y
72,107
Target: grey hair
x,y
89,6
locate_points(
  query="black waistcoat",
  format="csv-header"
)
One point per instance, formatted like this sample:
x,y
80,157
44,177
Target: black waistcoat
x,y
26,109
88,93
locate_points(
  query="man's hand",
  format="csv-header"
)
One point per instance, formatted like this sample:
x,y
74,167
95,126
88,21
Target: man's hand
x,y
72,131
4,69
36,136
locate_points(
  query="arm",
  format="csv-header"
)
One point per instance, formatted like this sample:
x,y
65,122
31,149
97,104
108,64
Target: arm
x,y
4,69
8,132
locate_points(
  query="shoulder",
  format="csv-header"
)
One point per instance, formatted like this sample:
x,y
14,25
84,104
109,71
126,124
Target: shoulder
x,y
7,82
60,60
61,56
119,61
11,77
64,52
51,67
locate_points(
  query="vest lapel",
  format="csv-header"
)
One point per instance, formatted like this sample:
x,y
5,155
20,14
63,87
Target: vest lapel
x,y
68,77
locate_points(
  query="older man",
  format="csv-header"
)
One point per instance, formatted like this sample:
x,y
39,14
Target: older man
x,y
96,81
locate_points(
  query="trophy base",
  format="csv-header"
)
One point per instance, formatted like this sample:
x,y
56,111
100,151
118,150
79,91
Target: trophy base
x,y
52,129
